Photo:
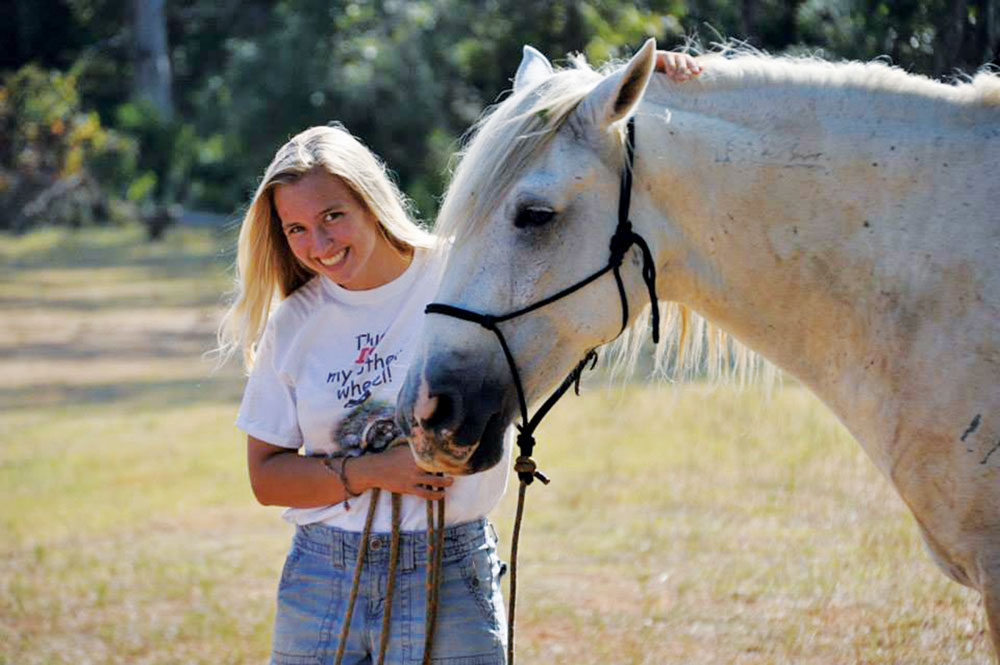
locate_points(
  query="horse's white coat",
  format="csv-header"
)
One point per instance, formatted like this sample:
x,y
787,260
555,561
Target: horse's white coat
x,y
842,220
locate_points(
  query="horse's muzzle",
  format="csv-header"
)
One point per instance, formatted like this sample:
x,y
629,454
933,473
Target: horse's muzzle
x,y
455,420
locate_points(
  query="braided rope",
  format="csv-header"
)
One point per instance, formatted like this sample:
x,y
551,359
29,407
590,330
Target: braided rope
x,y
512,601
390,587
435,547
356,583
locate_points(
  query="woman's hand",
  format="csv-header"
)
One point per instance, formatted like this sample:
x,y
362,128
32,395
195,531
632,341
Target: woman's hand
x,y
678,67
281,477
395,471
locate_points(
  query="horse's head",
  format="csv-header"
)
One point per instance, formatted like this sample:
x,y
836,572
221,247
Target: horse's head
x,y
531,209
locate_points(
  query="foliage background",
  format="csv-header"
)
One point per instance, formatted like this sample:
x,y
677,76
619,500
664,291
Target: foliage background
x,y
408,76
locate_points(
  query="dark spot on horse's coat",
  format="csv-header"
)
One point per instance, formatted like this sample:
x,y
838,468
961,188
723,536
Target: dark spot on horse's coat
x,y
973,426
795,230
992,450
892,147
874,163
867,225
946,164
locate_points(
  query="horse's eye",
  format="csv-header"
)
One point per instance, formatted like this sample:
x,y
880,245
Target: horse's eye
x,y
533,216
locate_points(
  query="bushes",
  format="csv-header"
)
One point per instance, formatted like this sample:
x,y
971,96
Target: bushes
x,y
55,158
59,165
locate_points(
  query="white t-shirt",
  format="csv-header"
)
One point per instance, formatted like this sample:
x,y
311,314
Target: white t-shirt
x,y
327,372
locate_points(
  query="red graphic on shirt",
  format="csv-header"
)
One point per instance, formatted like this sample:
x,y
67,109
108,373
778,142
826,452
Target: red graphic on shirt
x,y
363,355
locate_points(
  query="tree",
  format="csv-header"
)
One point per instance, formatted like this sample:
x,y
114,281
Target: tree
x,y
152,62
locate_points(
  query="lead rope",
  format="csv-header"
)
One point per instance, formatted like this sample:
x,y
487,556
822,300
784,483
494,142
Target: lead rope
x,y
390,585
435,548
435,543
356,582
622,240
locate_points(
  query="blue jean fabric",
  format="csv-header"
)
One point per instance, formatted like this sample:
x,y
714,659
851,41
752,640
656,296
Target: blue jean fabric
x,y
316,584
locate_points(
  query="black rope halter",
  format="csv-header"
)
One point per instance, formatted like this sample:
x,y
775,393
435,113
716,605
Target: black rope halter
x,y
621,242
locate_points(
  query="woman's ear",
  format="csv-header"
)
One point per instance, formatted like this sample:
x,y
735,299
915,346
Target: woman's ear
x,y
617,95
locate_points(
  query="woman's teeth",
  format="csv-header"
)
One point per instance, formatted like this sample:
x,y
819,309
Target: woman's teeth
x,y
335,259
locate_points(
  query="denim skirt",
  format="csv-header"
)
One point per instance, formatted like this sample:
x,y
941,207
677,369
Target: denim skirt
x,y
316,585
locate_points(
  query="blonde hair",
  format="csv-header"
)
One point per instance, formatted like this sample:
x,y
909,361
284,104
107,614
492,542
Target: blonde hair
x,y
265,265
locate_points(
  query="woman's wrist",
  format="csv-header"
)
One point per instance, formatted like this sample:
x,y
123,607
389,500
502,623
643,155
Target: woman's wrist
x,y
349,476
338,466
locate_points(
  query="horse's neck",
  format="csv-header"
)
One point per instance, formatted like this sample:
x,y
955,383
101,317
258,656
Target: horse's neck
x,y
798,222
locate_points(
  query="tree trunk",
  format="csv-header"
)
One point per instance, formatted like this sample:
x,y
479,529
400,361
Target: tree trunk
x,y
748,19
948,50
989,19
152,62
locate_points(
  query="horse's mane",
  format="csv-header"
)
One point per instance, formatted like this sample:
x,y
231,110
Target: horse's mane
x,y
508,137
729,66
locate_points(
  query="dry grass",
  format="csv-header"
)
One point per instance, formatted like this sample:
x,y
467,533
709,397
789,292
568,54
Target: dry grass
x,y
684,525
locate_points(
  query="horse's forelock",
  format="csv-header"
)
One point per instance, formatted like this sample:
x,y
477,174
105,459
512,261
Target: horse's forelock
x,y
504,143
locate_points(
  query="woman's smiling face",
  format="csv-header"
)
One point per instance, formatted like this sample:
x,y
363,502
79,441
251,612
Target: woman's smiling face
x,y
333,233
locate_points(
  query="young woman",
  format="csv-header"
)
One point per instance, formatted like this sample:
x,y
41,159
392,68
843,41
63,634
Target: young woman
x,y
328,231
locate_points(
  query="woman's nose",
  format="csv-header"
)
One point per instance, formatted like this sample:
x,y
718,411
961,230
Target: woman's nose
x,y
322,240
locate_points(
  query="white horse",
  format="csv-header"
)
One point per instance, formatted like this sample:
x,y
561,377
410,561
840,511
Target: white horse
x,y
843,220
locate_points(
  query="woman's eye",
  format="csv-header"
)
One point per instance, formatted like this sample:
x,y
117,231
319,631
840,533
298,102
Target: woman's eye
x,y
292,230
332,216
533,216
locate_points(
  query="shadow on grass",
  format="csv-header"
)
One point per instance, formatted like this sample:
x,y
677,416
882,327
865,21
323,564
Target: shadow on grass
x,y
111,247
177,392
209,298
170,265
156,344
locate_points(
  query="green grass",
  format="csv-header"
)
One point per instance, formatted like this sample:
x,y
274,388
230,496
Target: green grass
x,y
690,524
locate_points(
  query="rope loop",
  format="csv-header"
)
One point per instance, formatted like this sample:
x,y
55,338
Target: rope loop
x,y
591,358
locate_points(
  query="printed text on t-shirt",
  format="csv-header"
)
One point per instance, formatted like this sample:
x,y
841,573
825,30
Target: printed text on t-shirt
x,y
370,369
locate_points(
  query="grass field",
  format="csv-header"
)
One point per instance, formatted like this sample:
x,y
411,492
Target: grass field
x,y
690,524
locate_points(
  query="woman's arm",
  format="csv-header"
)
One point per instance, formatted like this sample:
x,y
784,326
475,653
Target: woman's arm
x,y
281,477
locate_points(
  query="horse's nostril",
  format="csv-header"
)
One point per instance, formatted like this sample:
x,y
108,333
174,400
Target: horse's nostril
x,y
437,410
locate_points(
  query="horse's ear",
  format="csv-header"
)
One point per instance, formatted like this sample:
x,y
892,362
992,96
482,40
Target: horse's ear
x,y
533,69
617,95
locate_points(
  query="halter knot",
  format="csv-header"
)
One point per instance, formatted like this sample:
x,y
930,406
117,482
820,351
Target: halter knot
x,y
527,470
621,241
